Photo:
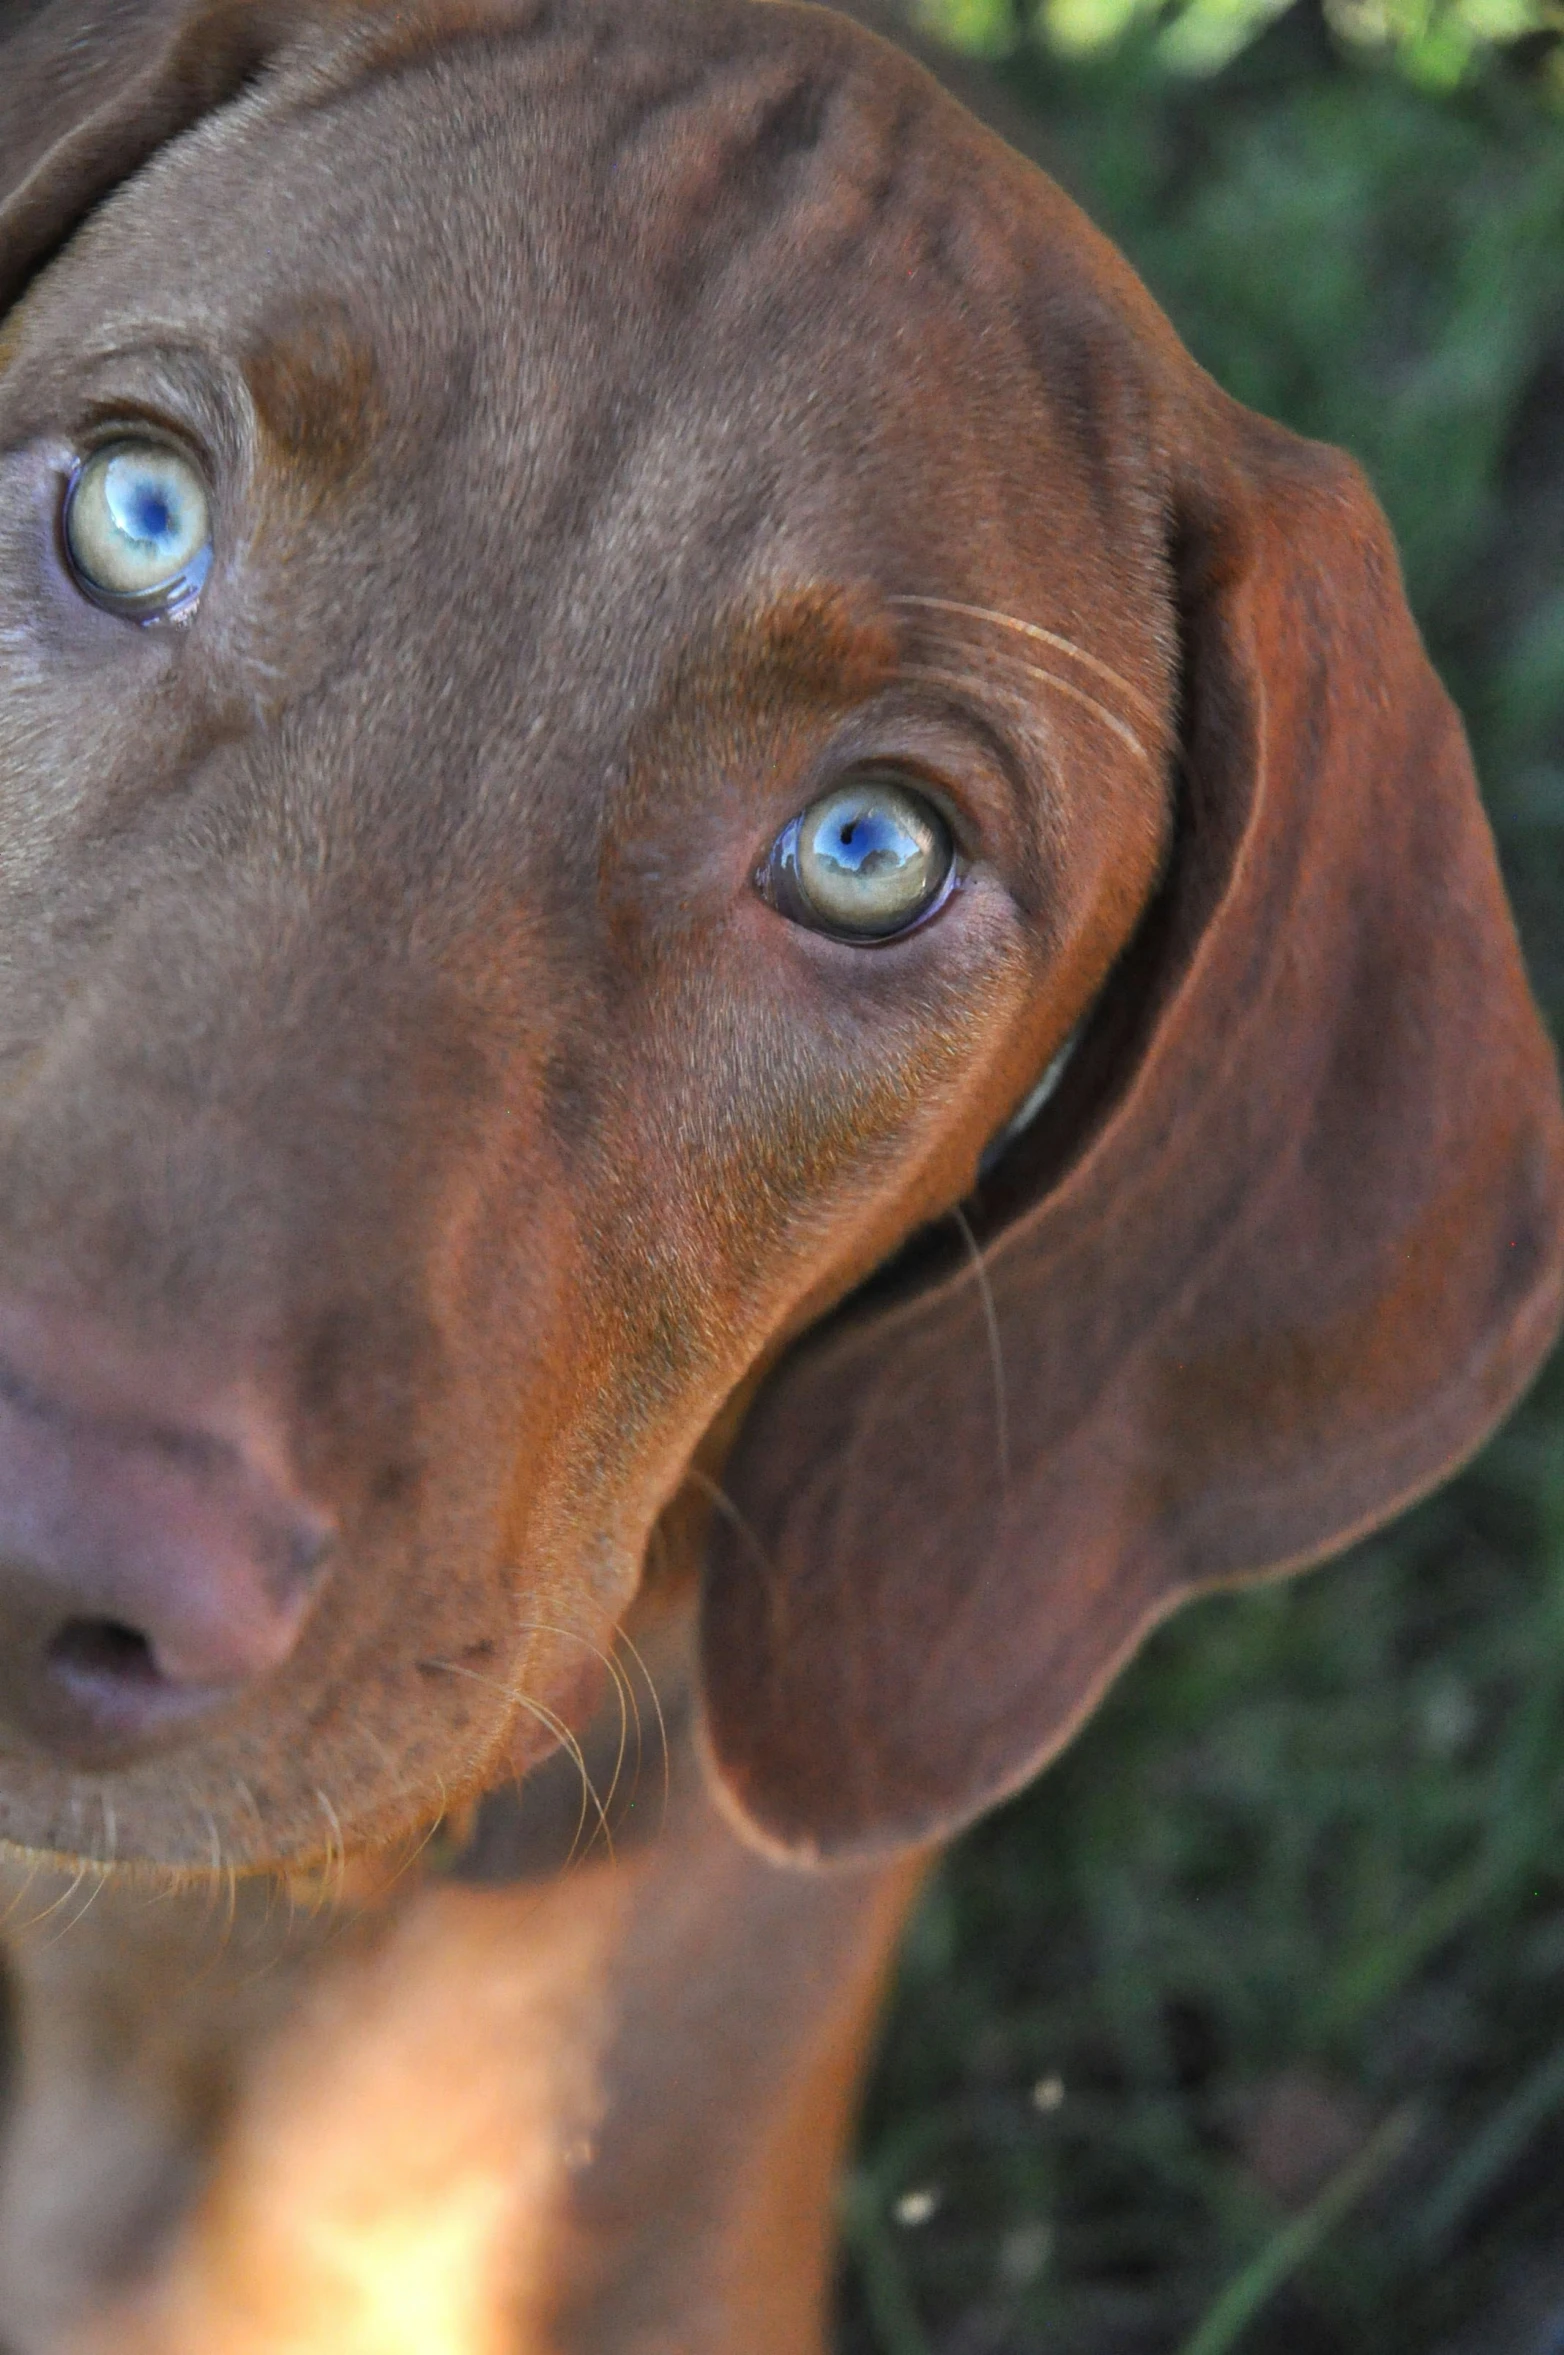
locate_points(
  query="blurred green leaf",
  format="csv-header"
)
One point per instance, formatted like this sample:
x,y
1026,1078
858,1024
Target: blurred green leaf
x,y
1437,43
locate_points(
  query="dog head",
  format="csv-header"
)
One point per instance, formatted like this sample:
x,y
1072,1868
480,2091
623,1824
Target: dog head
x,y
618,632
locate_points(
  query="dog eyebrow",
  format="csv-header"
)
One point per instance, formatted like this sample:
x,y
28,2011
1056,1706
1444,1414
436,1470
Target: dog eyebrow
x,y
820,643
315,381
823,642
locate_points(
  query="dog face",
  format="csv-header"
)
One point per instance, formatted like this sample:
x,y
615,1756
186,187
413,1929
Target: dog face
x,y
614,627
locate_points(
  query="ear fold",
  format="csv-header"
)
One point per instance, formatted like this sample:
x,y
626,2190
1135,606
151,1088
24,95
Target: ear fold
x,y
90,89
1289,1241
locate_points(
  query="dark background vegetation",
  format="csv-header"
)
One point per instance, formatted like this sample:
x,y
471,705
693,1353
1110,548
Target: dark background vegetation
x,y
1244,2029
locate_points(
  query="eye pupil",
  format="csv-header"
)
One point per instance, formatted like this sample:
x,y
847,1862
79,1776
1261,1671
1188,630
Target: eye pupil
x,y
865,862
151,516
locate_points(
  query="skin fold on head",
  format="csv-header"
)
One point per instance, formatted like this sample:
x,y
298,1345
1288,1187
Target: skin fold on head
x,y
429,1126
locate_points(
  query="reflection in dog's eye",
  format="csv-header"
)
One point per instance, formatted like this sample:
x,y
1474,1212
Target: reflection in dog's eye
x,y
867,861
138,530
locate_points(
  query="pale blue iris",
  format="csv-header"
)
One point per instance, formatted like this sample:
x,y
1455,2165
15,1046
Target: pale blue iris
x,y
137,527
871,857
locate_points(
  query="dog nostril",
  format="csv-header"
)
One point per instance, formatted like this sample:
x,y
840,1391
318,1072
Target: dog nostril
x,y
104,1650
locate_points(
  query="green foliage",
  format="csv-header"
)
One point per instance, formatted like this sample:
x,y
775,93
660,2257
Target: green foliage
x,y
1243,2030
1437,43
1302,1884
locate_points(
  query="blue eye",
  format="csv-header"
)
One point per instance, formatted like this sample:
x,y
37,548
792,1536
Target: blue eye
x,y
865,862
138,530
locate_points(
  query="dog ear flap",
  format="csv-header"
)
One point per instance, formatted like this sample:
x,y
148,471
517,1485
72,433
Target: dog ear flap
x,y
1284,1247
91,89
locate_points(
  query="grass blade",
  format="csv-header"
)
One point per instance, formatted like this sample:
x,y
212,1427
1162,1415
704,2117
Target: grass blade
x,y
1295,2244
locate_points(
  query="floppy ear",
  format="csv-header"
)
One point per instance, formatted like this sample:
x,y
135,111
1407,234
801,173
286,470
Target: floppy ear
x,y
90,89
1280,1252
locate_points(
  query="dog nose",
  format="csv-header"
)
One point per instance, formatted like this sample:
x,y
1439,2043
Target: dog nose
x,y
156,1558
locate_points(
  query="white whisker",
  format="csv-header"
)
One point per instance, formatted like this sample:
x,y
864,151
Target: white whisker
x,y
662,1726
335,1869
622,1693
562,1735
33,1868
995,1350
1041,637
97,1878
962,681
725,1505
57,1904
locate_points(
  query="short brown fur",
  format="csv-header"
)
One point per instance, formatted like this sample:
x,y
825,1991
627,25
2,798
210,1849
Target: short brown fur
x,y
695,1342
314,380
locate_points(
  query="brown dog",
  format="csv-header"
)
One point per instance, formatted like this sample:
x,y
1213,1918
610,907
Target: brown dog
x,y
618,633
